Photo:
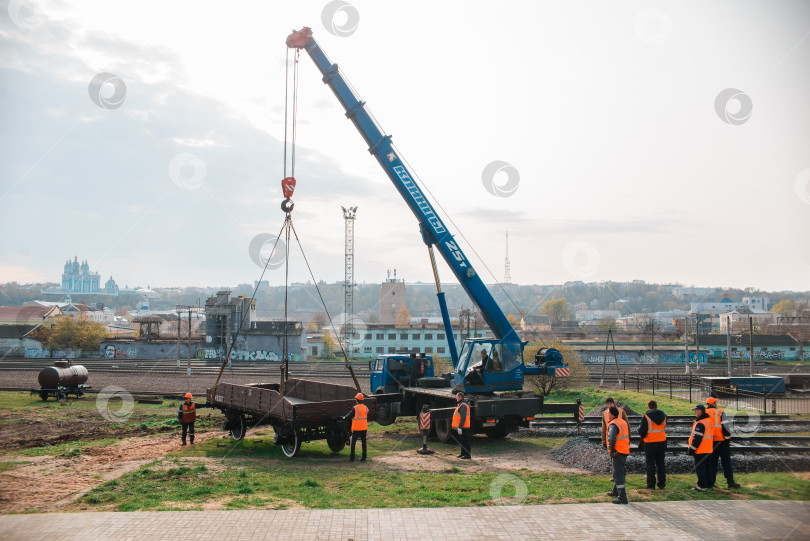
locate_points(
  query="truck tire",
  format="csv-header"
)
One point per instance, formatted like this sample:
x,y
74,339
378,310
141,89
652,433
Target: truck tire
x,y
433,383
335,442
496,432
443,430
385,412
236,426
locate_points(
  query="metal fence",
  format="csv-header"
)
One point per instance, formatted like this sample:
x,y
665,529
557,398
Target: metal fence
x,y
689,388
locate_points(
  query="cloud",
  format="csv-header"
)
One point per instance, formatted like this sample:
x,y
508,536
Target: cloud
x,y
104,173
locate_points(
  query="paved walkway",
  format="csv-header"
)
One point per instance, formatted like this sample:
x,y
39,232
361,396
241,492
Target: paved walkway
x,y
754,520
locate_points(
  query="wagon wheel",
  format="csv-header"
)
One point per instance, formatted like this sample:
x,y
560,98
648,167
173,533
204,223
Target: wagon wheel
x,y
335,442
291,445
43,395
237,425
443,430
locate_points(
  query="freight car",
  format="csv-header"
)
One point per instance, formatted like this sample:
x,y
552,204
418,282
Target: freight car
x,y
306,411
61,380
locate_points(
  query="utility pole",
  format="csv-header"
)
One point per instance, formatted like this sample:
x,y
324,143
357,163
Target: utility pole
x,y
697,341
686,341
178,337
188,370
181,308
349,215
728,343
751,346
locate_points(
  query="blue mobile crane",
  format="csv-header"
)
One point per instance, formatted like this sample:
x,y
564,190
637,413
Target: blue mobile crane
x,y
491,371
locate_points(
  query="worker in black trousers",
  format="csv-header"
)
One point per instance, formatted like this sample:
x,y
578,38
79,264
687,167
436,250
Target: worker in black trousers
x,y
654,441
722,449
461,424
187,415
359,417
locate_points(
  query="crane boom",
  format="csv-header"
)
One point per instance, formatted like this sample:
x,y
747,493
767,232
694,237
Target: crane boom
x,y
434,231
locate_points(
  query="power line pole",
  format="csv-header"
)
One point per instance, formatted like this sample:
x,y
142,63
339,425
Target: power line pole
x,y
728,343
751,346
686,341
697,341
349,215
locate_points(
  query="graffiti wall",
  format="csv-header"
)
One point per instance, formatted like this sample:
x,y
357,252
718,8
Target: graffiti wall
x,y
764,354
624,357
111,351
244,355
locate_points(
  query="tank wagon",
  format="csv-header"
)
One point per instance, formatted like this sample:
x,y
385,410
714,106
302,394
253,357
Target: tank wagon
x,y
61,380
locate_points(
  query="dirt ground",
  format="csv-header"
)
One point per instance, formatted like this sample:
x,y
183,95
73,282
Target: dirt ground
x,y
48,483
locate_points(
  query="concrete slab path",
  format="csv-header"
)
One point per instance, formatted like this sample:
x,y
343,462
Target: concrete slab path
x,y
755,520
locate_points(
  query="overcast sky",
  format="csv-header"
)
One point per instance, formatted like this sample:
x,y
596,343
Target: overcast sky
x,y
661,141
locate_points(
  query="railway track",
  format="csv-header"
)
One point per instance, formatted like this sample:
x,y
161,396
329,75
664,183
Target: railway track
x,y
794,445
198,367
567,422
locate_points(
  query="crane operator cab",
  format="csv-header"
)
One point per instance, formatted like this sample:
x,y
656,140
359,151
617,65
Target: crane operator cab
x,y
489,365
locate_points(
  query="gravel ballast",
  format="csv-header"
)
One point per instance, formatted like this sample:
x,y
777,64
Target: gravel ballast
x,y
578,452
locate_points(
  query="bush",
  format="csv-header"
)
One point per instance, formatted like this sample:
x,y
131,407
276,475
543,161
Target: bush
x,y
577,378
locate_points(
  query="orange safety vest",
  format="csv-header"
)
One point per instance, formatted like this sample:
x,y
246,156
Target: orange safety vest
x,y
360,419
717,425
189,413
707,443
655,432
623,437
457,416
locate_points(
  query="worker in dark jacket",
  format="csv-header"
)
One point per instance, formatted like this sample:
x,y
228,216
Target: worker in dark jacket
x,y
700,446
461,424
654,441
187,415
722,448
618,446
359,417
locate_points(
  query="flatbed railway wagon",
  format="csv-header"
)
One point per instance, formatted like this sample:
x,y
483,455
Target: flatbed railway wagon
x,y
308,411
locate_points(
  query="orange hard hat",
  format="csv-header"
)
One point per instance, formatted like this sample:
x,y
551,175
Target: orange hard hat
x,y
188,395
711,400
359,396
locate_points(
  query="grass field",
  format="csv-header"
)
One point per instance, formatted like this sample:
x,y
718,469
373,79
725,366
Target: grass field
x,y
593,397
220,473
316,483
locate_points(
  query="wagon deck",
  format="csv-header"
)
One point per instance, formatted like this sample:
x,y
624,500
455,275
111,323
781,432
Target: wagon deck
x,y
308,411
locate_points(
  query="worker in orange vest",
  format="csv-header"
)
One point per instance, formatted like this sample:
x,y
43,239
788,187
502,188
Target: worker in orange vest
x,y
654,441
609,403
722,447
187,415
359,417
700,446
618,445
461,424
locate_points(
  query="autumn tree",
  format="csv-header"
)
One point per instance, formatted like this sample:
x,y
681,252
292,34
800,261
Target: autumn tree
x,y
785,308
544,384
318,321
69,333
556,310
330,345
606,324
403,317
513,320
